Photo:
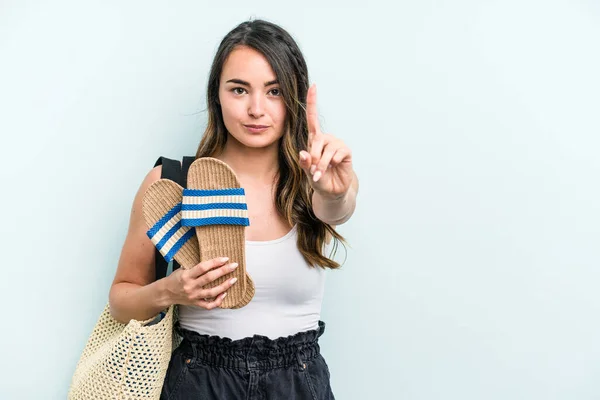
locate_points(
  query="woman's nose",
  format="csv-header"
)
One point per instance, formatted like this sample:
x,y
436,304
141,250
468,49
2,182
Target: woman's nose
x,y
256,106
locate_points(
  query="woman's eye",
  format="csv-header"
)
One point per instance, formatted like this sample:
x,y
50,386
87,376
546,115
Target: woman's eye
x,y
275,92
238,90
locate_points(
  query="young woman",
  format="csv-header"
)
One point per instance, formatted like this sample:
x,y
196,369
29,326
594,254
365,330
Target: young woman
x,y
299,185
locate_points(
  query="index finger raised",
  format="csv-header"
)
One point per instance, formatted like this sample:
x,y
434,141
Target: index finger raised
x,y
312,115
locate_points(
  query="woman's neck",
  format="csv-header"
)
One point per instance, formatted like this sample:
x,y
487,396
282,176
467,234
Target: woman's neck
x,y
256,164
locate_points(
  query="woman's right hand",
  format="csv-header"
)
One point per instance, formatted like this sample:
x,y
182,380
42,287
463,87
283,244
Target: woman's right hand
x,y
185,286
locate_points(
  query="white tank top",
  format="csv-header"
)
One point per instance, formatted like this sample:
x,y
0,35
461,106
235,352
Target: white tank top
x,y
288,296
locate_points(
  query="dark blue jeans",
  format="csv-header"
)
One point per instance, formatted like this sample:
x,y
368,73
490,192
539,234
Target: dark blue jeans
x,y
212,368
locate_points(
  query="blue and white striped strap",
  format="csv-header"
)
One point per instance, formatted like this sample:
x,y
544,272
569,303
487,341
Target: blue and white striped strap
x,y
169,235
214,207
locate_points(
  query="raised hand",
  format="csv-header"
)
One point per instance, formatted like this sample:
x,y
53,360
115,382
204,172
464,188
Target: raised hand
x,y
327,161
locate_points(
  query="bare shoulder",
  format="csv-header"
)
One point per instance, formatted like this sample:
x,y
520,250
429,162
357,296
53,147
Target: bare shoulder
x,y
151,177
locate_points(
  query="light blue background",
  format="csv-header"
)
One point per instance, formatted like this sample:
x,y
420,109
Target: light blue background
x,y
475,126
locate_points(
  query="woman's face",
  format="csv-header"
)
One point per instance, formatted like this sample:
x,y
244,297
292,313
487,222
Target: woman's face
x,y
251,102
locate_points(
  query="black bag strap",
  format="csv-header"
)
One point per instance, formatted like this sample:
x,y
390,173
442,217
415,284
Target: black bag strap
x,y
185,167
177,172
171,169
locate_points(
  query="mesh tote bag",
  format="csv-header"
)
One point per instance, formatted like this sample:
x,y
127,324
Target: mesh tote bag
x,y
129,361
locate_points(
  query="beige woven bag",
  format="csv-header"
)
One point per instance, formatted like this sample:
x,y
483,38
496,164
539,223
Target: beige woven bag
x,y
125,361
130,361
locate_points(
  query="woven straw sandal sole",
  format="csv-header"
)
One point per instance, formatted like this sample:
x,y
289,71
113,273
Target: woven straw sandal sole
x,y
214,203
161,207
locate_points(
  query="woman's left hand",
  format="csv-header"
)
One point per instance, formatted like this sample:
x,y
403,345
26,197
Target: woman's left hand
x,y
327,161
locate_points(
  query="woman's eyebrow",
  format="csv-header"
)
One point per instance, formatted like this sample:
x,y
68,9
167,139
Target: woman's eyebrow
x,y
241,82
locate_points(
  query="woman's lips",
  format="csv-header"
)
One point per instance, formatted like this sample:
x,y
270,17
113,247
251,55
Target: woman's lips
x,y
256,128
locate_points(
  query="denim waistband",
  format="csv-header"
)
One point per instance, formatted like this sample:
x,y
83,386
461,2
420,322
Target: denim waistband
x,y
255,352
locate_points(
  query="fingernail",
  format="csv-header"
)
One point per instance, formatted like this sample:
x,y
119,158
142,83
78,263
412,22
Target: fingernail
x,y
224,259
234,280
233,265
317,176
313,169
302,156
223,295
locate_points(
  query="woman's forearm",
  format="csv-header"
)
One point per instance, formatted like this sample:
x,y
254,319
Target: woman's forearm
x,y
131,301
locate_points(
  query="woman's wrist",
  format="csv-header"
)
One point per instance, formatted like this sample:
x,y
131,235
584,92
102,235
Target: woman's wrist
x,y
163,297
333,210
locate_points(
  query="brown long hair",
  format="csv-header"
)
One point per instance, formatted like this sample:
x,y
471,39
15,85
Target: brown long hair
x,y
293,196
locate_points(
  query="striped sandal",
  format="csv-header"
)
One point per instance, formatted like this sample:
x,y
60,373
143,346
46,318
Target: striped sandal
x,y
161,207
214,204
